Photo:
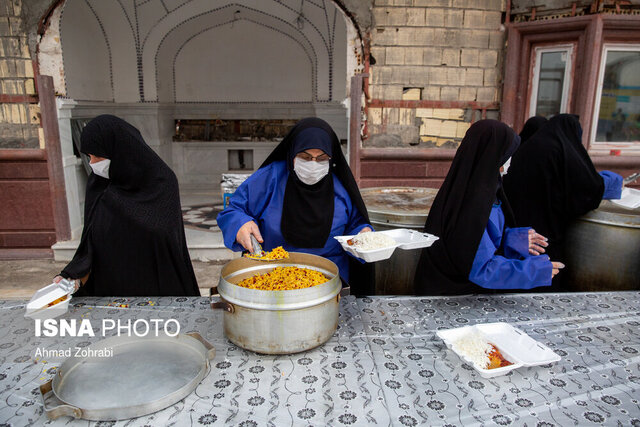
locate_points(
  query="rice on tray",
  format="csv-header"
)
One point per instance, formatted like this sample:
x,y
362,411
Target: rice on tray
x,y
370,241
481,353
473,347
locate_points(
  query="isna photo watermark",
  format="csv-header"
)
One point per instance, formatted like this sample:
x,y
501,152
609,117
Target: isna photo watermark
x,y
85,328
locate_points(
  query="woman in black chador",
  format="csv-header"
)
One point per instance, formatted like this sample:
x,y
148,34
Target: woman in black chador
x,y
532,125
133,241
478,250
552,181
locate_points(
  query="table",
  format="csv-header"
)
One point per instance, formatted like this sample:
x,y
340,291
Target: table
x,y
383,366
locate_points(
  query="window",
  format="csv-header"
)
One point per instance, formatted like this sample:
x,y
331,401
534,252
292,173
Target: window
x,y
617,111
551,80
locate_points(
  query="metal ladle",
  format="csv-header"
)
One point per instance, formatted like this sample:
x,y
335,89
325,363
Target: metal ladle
x,y
256,249
631,178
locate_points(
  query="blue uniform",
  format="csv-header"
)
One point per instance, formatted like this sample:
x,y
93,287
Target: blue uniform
x,y
516,269
612,185
260,199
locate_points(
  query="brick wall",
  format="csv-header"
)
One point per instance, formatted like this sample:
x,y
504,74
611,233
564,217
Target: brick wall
x,y
19,112
445,54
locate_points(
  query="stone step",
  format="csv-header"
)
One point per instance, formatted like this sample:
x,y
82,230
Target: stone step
x,y
206,246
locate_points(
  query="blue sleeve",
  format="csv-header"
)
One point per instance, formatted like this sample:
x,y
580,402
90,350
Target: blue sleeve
x,y
612,185
493,271
353,220
247,204
356,222
516,242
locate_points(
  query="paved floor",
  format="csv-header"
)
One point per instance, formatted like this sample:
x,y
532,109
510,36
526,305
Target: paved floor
x,y
20,279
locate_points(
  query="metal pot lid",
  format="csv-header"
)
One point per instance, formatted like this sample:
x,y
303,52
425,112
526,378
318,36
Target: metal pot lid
x,y
402,206
609,213
143,375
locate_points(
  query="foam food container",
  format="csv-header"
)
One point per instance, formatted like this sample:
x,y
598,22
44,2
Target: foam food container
x,y
515,346
404,238
37,306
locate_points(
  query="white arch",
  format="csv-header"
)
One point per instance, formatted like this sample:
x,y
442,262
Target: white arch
x,y
200,8
124,66
242,70
85,37
134,43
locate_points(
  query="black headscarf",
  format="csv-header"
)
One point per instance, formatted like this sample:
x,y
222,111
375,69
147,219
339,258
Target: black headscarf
x,y
552,180
307,212
532,126
133,241
461,209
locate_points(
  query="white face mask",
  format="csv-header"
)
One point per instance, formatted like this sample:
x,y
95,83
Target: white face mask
x,y
101,168
505,167
309,171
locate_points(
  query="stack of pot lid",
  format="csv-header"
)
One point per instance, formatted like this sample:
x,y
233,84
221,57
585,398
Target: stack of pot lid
x,y
401,207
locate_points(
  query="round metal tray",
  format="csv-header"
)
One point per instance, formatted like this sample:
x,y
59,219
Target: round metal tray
x,y
144,375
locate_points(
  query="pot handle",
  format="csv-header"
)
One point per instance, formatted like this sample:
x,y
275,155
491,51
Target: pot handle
x,y
60,410
211,351
345,291
222,304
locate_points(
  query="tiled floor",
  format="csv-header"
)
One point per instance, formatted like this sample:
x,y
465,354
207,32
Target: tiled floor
x,y
21,279
202,216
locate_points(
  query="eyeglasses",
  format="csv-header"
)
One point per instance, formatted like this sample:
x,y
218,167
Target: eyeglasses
x,y
308,157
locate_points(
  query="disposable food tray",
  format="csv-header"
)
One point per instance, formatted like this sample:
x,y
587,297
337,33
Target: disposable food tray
x,y
37,306
515,346
405,239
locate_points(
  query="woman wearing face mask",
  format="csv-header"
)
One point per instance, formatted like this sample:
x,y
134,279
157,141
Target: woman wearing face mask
x,y
133,241
300,198
477,250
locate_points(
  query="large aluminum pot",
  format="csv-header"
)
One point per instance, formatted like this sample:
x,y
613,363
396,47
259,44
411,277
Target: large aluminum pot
x,y
398,207
279,322
602,250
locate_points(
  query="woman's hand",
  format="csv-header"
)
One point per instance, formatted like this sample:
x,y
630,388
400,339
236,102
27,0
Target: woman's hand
x,y
365,230
244,235
537,243
76,282
557,266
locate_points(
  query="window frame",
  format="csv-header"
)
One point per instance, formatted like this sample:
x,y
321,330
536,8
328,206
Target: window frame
x,y
534,76
604,147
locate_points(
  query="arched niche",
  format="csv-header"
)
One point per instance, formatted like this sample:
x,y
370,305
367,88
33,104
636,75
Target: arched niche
x,y
154,51
242,67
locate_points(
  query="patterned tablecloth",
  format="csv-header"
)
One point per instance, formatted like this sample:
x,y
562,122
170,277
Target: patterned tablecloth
x,y
383,366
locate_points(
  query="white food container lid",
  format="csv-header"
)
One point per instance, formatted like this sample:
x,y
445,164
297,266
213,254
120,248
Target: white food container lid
x,y
519,345
516,346
37,306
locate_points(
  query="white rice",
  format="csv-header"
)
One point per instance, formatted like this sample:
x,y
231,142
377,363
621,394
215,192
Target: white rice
x,y
475,348
372,240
